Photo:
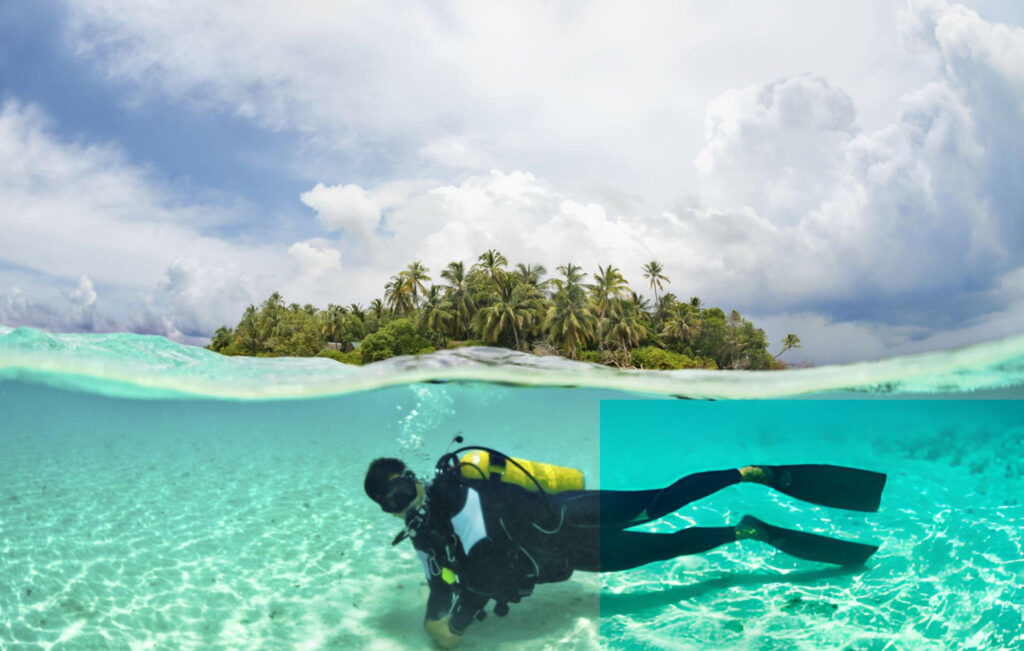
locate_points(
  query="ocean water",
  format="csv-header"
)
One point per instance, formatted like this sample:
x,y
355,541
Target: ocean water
x,y
159,496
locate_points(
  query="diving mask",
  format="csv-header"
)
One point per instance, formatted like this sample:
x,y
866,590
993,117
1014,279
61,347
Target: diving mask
x,y
401,491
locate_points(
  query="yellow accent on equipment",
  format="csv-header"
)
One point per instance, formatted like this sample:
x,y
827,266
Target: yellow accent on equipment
x,y
447,575
554,479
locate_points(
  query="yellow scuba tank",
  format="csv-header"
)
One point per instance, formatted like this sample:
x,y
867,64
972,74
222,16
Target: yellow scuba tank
x,y
553,479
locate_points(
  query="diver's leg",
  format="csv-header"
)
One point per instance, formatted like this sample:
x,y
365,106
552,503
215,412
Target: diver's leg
x,y
625,508
809,546
688,489
624,550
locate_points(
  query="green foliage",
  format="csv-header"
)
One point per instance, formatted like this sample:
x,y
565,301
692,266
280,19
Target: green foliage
x,y
221,339
652,358
351,357
468,343
485,303
396,338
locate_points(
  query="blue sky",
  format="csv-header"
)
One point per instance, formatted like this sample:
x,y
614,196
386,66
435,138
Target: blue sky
x,y
850,172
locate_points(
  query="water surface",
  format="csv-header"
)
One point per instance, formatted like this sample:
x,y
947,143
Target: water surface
x,y
158,495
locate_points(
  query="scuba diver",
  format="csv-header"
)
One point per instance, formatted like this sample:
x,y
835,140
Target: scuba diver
x,y
490,527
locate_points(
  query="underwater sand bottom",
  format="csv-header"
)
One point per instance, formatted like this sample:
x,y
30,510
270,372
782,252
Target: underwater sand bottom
x,y
125,542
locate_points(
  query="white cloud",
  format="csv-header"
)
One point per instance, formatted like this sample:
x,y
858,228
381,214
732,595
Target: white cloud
x,y
777,147
147,319
82,211
71,209
197,299
74,310
587,91
84,295
316,258
876,198
457,152
344,207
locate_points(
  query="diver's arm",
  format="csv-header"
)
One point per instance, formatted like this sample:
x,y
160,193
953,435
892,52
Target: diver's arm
x,y
468,607
439,603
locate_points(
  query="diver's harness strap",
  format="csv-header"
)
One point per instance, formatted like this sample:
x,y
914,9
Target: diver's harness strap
x,y
414,522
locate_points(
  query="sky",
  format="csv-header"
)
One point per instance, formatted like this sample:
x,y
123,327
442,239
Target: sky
x,y
849,172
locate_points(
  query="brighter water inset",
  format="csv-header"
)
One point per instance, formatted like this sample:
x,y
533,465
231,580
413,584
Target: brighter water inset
x,y
949,574
154,495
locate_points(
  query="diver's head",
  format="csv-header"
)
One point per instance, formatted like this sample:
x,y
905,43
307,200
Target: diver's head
x,y
391,484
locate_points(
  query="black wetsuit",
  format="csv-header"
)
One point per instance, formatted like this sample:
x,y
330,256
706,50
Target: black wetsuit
x,y
500,539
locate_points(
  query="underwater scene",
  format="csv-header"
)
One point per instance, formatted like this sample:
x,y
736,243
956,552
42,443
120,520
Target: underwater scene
x,y
154,495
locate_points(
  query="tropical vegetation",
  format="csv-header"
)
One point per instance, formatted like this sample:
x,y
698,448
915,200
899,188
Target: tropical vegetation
x,y
598,319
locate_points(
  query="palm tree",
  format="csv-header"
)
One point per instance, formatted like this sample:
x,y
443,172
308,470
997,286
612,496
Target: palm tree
x,y
789,341
573,273
569,322
625,328
413,278
377,309
531,274
665,305
571,276
221,339
334,322
437,313
682,326
734,341
515,309
639,302
733,346
398,295
609,285
269,319
653,271
460,296
357,311
247,332
492,261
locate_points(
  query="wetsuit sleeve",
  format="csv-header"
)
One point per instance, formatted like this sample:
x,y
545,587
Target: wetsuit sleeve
x,y
439,603
475,589
467,607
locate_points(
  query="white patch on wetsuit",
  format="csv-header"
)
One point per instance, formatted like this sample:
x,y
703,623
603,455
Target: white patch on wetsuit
x,y
426,566
469,522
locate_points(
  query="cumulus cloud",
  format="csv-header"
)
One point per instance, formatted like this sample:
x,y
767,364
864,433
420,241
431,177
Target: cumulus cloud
x,y
84,295
73,310
344,207
578,91
198,298
886,226
316,258
777,147
527,218
71,208
82,211
875,198
16,309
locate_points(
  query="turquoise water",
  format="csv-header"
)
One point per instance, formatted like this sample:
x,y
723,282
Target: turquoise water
x,y
950,571
153,495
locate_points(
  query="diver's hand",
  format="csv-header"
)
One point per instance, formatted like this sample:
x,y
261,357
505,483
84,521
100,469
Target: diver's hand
x,y
438,629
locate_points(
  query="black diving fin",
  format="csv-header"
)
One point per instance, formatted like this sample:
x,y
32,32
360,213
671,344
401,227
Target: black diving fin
x,y
836,486
809,546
